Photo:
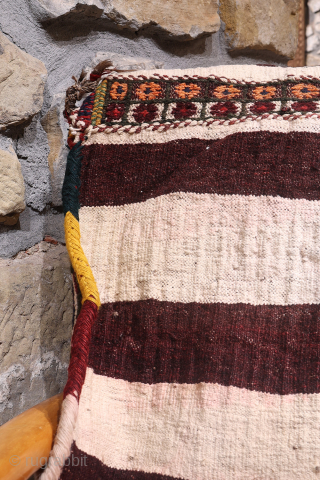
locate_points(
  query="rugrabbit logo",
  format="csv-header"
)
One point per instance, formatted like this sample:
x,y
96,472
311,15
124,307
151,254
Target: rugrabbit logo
x,y
42,462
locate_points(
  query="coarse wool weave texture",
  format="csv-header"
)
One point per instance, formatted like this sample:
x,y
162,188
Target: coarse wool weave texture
x,y
192,220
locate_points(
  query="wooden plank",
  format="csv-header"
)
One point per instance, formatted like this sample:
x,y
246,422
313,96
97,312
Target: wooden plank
x,y
26,440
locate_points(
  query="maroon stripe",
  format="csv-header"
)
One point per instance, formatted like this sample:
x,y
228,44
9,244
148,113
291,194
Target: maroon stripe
x,y
260,163
81,465
274,349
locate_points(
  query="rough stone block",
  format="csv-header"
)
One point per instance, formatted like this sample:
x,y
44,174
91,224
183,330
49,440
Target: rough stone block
x,y
313,59
36,312
314,5
183,19
312,42
22,79
11,188
261,25
55,126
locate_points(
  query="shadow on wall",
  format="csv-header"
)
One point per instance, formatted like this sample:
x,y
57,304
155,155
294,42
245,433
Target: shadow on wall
x,y
71,26
74,25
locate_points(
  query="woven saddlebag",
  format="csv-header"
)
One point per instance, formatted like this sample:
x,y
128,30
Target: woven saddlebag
x,y
192,220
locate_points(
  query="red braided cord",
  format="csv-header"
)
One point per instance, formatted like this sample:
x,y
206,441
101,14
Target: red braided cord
x,y
80,349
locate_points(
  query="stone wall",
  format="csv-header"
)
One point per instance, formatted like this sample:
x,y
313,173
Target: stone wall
x,y
42,45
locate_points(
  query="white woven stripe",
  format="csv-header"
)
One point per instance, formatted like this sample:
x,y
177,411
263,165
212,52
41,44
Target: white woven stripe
x,y
241,73
211,132
203,431
187,247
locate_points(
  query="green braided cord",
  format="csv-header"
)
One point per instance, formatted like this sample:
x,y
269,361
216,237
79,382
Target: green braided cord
x,y
71,184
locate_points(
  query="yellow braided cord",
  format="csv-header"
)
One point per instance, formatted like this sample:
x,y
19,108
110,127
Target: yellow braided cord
x,y
79,262
99,103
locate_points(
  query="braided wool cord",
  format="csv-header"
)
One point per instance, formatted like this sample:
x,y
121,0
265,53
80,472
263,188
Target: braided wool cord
x,y
82,330
70,194
99,103
79,261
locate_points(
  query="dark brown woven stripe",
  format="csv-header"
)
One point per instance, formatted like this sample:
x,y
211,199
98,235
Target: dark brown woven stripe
x,y
272,349
260,163
82,466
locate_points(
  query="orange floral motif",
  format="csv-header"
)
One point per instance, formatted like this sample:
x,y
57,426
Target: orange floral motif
x,y
264,93
148,91
118,91
187,90
226,92
305,90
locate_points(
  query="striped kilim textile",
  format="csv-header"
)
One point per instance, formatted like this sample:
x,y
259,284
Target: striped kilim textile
x,y
192,219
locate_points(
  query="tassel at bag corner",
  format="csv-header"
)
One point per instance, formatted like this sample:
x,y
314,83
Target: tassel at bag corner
x,y
192,220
